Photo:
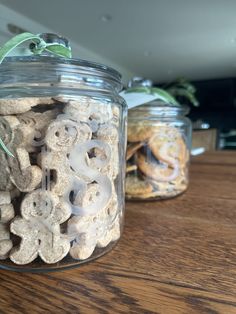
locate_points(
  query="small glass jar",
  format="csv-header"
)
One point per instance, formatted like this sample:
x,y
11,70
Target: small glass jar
x,y
159,141
62,195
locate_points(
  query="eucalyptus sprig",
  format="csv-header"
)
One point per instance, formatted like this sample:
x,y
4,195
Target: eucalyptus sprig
x,y
37,47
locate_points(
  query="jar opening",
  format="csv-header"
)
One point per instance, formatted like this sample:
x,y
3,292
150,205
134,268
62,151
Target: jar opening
x,y
57,60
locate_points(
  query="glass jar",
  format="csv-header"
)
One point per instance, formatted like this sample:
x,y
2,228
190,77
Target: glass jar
x,y
159,141
62,195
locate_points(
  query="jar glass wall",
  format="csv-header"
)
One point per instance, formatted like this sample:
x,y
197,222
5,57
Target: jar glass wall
x,y
159,141
62,195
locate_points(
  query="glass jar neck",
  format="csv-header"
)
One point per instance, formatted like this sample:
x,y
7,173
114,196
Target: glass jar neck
x,y
155,110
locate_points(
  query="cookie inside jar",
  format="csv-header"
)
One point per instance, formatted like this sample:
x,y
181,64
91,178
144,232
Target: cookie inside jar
x,y
157,156
62,156
60,195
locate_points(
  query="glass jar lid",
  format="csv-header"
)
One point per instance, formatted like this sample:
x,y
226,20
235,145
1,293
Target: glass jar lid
x,y
47,63
30,69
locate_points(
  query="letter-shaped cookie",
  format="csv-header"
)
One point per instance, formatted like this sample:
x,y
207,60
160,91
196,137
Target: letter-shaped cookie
x,y
22,174
82,166
34,125
39,229
6,135
167,144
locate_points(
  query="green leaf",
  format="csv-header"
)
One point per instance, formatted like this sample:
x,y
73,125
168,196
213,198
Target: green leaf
x,y
183,83
164,94
5,149
59,50
16,41
176,91
140,89
39,47
189,87
159,92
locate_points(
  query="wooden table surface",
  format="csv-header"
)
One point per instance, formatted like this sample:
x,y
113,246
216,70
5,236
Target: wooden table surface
x,y
175,256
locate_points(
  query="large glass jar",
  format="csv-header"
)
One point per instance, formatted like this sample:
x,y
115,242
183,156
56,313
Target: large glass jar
x,y
159,140
62,195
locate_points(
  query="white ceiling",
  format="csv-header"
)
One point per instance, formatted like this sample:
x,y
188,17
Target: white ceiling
x,y
157,39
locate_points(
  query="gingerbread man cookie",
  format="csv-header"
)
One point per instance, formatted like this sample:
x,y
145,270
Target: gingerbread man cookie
x,y
39,228
62,135
6,214
89,232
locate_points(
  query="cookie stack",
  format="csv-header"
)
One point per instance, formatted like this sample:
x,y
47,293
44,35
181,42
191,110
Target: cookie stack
x,y
157,160
61,194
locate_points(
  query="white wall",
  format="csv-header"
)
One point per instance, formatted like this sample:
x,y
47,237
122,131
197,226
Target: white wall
x,y
10,16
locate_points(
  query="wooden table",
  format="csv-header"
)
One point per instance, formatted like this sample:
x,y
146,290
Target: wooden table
x,y
175,256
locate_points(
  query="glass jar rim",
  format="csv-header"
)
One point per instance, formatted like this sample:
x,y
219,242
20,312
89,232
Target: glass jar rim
x,y
70,62
158,108
19,71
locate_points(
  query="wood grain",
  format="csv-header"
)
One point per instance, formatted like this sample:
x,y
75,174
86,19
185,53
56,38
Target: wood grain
x,y
175,256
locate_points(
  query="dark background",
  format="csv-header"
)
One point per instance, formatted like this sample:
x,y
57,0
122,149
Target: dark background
x,y
217,99
217,107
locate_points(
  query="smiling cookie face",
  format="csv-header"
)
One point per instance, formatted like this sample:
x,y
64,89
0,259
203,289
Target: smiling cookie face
x,y
64,133
38,204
